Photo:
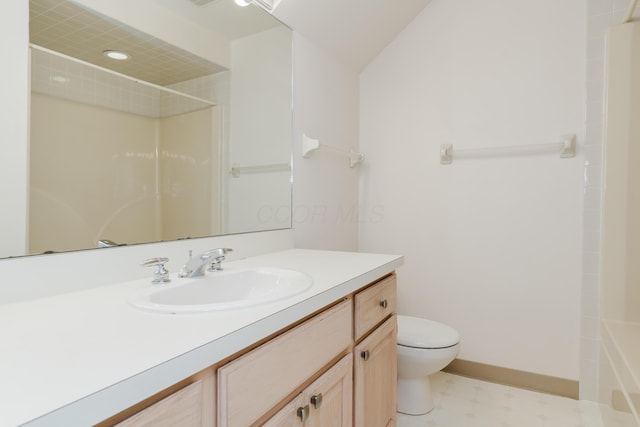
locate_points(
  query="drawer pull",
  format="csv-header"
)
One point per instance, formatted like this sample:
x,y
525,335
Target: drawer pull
x,y
303,413
316,400
365,354
384,303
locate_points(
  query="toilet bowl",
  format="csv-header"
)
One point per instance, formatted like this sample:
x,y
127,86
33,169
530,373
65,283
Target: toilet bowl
x,y
424,348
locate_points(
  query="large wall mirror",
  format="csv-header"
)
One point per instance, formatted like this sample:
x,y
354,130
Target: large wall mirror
x,y
190,136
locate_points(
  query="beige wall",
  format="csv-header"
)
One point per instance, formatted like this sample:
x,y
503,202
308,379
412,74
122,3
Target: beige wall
x,y
93,176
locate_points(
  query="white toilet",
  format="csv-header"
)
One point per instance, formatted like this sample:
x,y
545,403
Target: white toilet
x,y
424,348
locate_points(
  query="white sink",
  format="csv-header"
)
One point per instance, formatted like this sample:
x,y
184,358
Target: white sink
x,y
222,290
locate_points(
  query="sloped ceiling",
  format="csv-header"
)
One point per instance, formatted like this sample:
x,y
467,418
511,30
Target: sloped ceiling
x,y
354,31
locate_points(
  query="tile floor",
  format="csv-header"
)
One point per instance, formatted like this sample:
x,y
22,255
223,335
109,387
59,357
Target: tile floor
x,y
465,402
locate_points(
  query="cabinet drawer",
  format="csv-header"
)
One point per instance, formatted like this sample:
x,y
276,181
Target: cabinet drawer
x,y
374,304
251,385
188,407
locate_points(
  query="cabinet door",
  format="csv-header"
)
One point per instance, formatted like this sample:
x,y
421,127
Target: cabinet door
x,y
375,377
327,402
292,415
330,396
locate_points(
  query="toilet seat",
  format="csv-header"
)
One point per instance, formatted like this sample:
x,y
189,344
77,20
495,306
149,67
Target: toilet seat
x,y
423,333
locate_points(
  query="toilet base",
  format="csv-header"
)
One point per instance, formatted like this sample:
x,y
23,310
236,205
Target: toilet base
x,y
414,396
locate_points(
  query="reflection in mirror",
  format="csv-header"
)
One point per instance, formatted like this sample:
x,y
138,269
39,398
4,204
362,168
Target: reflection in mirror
x,y
104,166
166,144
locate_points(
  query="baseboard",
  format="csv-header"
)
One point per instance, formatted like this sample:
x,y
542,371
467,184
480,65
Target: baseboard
x,y
512,377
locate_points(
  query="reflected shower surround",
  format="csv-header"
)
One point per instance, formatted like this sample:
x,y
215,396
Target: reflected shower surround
x,y
88,184
139,168
60,76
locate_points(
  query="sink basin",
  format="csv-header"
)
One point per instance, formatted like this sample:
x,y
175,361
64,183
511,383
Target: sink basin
x,y
222,290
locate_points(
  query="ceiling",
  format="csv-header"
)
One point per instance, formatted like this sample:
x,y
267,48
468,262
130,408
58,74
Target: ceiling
x,y
354,31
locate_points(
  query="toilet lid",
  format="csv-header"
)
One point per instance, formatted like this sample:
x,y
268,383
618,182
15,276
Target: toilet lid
x,y
423,333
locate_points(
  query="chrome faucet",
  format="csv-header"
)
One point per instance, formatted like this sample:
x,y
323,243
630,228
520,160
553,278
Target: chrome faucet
x,y
196,265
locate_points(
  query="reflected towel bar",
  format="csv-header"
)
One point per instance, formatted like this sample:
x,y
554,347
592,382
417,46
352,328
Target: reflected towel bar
x,y
566,148
236,170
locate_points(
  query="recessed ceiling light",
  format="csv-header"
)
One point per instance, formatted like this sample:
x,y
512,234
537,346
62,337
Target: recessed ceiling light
x,y
243,3
114,54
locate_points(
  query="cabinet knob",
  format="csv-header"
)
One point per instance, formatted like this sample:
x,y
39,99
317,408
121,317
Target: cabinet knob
x,y
365,354
384,303
316,400
303,413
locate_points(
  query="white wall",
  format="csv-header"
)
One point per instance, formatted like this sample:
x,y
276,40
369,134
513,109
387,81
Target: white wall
x,y
260,131
14,86
492,246
325,188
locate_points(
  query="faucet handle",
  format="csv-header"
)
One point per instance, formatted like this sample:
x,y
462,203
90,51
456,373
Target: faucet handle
x,y
216,253
160,274
218,257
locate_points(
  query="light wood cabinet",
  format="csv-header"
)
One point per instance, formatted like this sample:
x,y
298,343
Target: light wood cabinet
x,y
375,355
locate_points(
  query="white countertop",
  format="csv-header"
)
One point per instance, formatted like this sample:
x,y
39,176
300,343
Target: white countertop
x,y
77,358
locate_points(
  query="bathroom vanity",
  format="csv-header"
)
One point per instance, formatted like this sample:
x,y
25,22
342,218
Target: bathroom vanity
x,y
326,356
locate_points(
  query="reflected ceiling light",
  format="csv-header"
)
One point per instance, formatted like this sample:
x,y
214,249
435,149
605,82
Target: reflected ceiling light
x,y
60,79
114,54
243,3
